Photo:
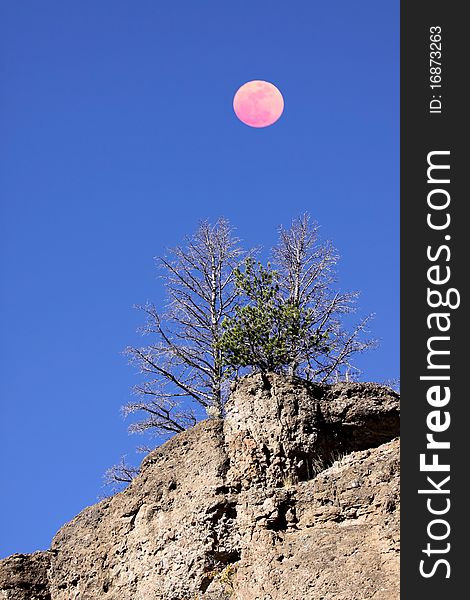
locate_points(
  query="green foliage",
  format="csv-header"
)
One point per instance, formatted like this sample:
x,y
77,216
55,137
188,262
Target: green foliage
x,y
266,331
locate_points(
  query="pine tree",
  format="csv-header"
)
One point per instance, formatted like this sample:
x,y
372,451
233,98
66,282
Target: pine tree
x,y
290,319
266,330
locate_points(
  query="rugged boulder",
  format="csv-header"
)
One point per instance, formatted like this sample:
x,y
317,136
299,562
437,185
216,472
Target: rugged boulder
x,y
294,495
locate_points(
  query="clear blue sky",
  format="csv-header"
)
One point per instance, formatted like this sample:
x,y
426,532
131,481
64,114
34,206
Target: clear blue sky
x,y
117,136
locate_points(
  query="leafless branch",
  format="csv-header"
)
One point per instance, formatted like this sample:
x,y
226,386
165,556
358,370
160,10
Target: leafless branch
x,y
182,364
120,474
307,275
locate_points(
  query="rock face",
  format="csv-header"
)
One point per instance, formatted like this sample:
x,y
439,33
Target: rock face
x,y
294,496
25,576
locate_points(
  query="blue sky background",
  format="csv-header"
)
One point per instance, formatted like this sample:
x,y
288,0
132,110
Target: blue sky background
x,y
117,136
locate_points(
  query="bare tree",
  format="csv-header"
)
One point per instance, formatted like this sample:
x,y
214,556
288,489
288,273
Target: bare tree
x,y
120,474
306,270
182,364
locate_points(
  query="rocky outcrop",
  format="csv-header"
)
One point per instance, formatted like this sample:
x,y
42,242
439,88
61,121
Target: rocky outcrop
x,y
279,427
294,495
341,541
25,577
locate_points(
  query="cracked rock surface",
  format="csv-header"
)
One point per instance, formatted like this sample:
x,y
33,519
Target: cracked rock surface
x,y
295,496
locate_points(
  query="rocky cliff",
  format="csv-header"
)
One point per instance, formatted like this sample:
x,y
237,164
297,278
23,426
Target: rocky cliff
x,y
294,496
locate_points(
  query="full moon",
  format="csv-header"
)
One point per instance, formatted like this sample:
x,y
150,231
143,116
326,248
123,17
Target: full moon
x,y
258,103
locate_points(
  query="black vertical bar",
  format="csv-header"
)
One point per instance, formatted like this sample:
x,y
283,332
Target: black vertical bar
x,y
434,120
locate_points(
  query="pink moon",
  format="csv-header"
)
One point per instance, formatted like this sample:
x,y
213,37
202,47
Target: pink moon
x,y
258,103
